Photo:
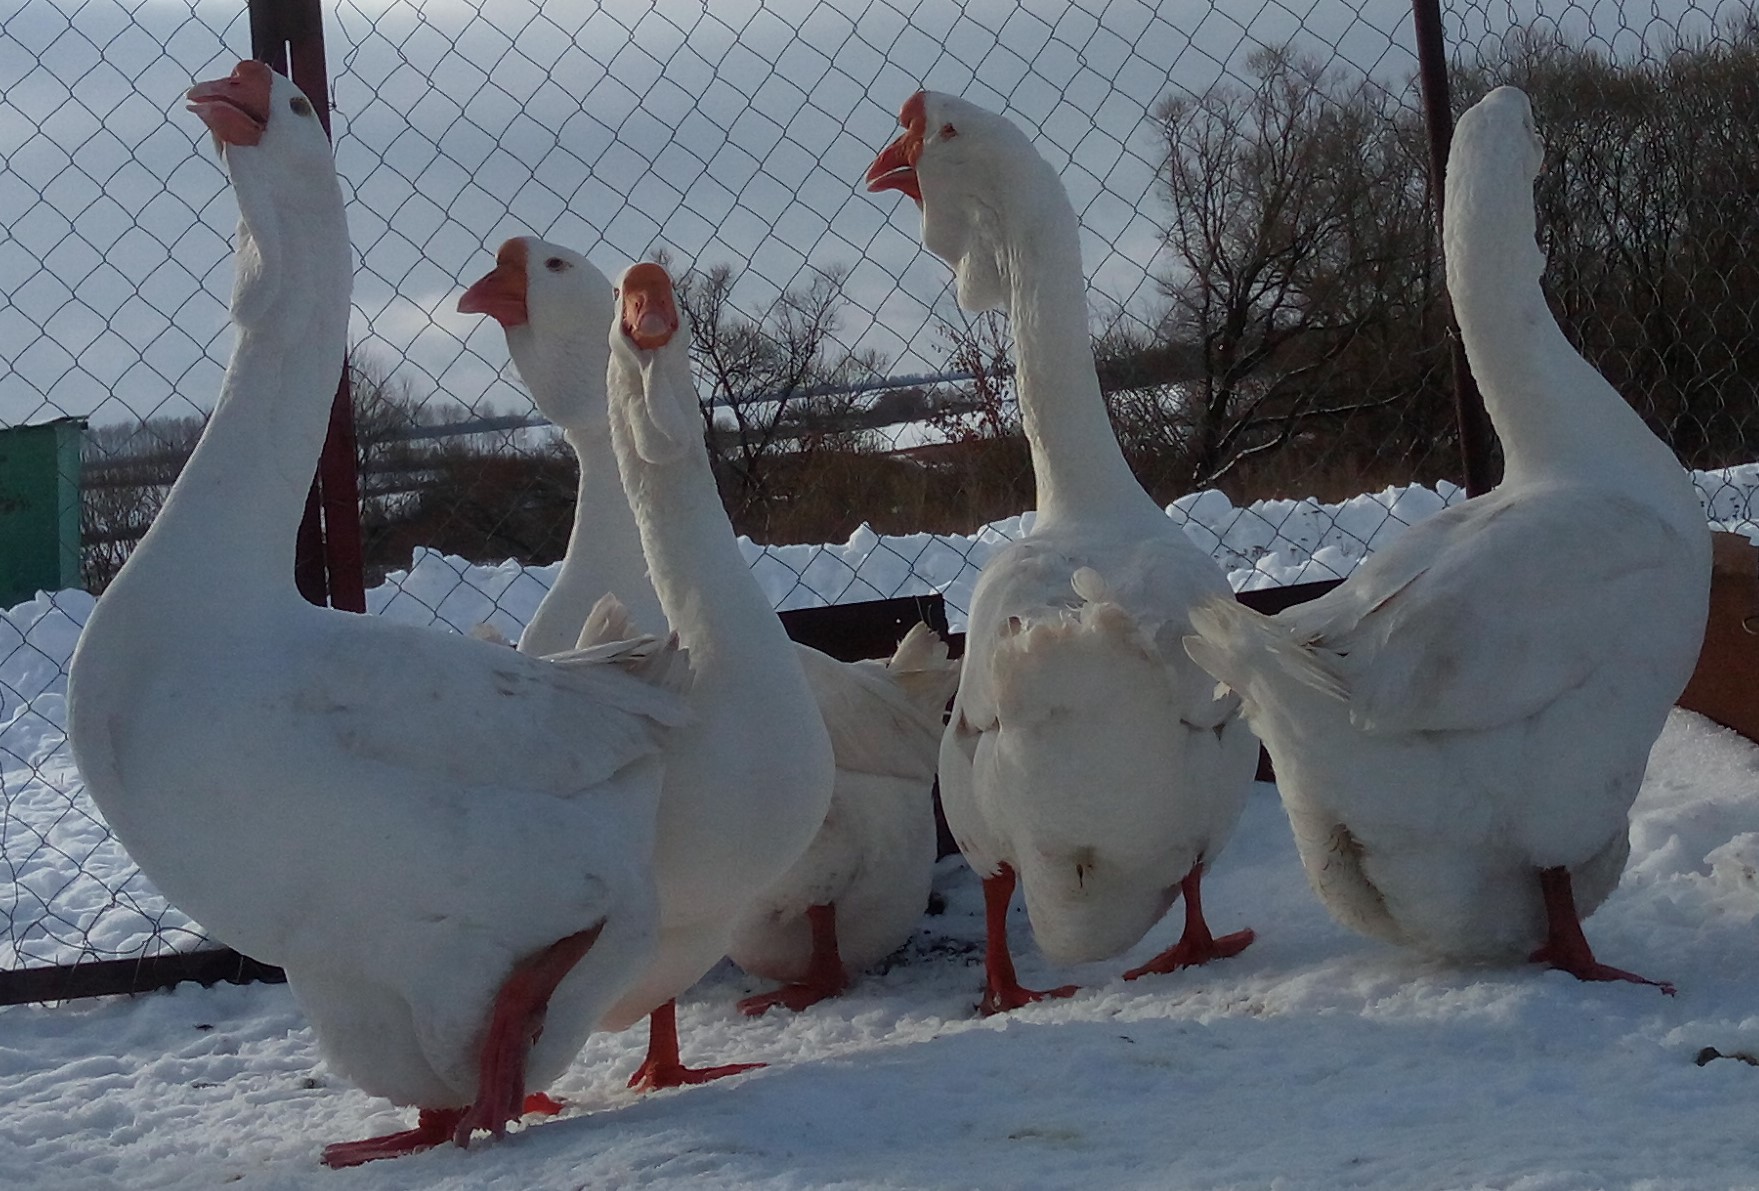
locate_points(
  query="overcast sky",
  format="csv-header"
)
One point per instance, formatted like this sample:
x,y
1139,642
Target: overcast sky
x,y
730,131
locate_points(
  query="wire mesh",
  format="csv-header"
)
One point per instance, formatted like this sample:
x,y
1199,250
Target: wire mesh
x,y
1266,293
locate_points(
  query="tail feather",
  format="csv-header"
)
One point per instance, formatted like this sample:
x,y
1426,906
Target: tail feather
x,y
923,668
608,621
1235,645
611,636
667,667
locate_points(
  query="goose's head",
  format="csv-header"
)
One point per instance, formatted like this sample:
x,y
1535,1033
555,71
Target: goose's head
x,y
1495,157
983,189
652,393
264,126
553,305
294,232
1497,133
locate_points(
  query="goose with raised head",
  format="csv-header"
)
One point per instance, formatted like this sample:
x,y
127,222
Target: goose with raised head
x,y
1457,740
857,892
748,782
553,306
1087,757
446,845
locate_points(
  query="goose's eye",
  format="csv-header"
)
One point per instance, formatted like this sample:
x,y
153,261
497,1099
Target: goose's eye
x,y
555,264
300,104
948,132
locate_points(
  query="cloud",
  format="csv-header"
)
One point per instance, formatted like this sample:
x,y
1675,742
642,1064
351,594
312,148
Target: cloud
x,y
726,130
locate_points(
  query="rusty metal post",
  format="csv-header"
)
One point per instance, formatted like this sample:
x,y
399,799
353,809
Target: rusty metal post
x,y
328,565
1477,437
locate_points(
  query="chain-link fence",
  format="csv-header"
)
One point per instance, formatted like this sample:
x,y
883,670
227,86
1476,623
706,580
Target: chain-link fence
x,y
1266,292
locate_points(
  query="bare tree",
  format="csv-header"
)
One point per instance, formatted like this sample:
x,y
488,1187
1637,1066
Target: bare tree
x,y
129,468
126,471
766,376
386,411
979,348
1302,249
1648,220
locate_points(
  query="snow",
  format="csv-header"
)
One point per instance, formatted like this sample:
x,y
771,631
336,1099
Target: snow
x,y
1267,544
1316,1059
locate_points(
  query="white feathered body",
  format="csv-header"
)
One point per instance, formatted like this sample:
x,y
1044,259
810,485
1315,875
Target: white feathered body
x,y
877,843
1475,704
873,857
1085,750
394,815
748,780
1477,701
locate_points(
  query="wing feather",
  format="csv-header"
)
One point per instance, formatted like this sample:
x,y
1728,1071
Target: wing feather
x,y
1487,612
475,714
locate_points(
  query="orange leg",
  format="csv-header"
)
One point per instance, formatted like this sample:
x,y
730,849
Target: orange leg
x,y
434,1127
1002,990
515,1022
825,976
1566,947
1196,945
542,1104
662,1067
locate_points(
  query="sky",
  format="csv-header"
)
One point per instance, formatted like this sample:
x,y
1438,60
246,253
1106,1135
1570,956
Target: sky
x,y
725,131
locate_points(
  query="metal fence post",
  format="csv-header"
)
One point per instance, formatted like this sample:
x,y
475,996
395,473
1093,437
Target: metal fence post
x,y
1476,435
327,567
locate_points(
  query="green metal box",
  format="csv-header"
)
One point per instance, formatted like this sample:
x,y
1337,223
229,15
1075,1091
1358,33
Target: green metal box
x,y
39,508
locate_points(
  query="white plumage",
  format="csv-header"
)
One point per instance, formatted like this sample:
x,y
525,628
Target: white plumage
x,y
748,781
874,855
405,820
1474,707
1086,753
872,861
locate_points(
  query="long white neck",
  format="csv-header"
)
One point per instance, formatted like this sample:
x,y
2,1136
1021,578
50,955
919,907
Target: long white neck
x,y
1555,414
604,552
705,588
1080,469
227,531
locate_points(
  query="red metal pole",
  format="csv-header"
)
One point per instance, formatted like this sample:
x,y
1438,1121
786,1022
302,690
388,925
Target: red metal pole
x,y
328,565
1477,438
309,575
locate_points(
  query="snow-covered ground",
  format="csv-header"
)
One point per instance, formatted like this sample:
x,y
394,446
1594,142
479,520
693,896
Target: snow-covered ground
x,y
1316,1059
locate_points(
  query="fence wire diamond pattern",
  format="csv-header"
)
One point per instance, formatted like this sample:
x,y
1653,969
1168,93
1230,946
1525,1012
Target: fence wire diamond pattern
x,y
1202,143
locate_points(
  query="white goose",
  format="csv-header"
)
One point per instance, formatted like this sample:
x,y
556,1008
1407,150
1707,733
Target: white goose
x,y
855,895
1457,745
748,782
445,844
554,306
1086,753
860,888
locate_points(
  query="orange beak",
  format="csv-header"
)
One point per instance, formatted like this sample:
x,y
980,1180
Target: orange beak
x,y
235,108
895,167
500,294
649,307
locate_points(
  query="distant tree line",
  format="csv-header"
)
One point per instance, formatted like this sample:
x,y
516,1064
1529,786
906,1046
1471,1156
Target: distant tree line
x,y
1306,318
1296,343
